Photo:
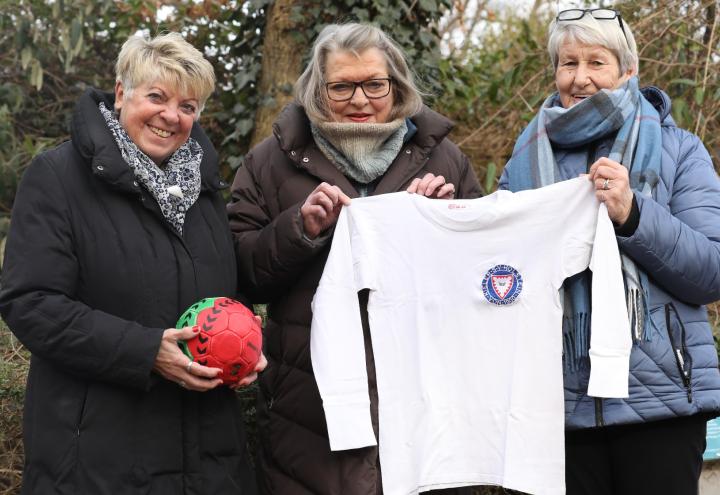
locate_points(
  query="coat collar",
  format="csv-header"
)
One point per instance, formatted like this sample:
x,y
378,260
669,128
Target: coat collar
x,y
292,131
93,140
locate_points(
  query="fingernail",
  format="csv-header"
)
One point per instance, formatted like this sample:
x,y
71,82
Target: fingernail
x,y
196,329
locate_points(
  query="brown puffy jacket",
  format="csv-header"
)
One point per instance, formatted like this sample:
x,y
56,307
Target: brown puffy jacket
x,y
279,266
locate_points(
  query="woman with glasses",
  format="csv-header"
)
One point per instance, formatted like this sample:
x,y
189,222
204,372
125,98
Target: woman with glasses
x,y
663,196
357,128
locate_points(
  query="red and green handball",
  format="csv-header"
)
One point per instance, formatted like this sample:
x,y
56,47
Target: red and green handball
x,y
229,337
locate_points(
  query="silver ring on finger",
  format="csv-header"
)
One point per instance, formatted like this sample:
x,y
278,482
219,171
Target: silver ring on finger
x,y
606,185
182,383
188,367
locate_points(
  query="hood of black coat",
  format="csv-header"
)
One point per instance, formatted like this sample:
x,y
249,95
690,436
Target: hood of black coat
x,y
93,140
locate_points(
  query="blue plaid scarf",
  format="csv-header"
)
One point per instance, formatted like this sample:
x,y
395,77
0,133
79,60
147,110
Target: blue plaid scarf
x,y
637,146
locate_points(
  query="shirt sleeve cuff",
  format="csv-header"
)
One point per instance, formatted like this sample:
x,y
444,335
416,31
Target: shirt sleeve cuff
x,y
320,240
631,224
349,426
609,376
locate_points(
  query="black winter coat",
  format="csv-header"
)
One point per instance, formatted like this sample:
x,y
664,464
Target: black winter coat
x,y
93,275
277,264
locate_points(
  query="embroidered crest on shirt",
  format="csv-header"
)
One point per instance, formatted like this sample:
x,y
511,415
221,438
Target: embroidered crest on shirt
x,y
502,284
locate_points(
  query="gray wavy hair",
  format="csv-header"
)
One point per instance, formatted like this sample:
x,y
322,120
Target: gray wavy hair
x,y
355,38
590,31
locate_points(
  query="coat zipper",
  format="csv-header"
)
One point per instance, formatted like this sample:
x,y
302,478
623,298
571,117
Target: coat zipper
x,y
599,420
682,357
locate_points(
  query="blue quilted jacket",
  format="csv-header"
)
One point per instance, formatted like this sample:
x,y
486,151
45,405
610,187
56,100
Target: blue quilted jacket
x,y
677,243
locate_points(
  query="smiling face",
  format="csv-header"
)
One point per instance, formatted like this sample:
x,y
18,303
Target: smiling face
x,y
157,118
346,66
584,70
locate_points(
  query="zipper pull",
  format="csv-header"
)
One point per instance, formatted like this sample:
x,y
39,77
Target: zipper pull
x,y
681,360
685,374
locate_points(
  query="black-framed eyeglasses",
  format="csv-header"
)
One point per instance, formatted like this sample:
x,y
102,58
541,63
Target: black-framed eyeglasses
x,y
372,88
600,14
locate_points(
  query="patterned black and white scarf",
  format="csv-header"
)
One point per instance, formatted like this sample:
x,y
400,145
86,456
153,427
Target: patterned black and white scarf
x,y
177,186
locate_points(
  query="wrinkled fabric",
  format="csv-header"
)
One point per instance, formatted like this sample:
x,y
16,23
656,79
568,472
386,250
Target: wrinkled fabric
x,y
624,116
622,113
362,152
93,276
282,267
677,243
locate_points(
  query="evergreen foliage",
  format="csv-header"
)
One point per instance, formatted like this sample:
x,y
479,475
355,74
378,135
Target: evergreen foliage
x,y
51,50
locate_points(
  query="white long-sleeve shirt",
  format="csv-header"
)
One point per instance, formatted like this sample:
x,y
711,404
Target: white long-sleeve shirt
x,y
466,329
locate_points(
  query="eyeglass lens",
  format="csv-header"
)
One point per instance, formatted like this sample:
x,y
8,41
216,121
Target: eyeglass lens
x,y
575,14
344,90
600,14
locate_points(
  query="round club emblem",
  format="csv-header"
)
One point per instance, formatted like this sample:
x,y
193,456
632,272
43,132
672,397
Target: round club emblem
x,y
502,284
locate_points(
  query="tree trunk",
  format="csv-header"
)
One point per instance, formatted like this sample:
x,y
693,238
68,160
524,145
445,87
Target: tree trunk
x,y
281,66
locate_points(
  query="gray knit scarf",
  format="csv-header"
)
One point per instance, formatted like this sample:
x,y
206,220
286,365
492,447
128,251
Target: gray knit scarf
x,y
360,151
177,186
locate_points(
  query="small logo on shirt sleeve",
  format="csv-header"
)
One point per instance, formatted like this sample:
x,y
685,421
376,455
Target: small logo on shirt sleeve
x,y
502,284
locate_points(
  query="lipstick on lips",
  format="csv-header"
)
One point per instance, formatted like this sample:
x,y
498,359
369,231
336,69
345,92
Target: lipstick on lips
x,y
359,117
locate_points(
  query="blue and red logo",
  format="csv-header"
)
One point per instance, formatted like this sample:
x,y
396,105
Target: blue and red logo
x,y
502,284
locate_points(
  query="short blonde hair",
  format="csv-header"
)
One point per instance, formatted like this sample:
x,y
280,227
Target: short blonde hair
x,y
167,58
590,31
356,38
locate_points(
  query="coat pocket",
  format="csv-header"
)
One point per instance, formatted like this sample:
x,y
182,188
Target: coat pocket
x,y
678,343
82,410
66,468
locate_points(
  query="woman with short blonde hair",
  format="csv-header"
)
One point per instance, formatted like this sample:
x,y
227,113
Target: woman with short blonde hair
x,y
114,234
168,58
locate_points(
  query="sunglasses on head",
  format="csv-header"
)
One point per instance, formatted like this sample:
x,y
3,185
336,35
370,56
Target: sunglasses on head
x,y
599,14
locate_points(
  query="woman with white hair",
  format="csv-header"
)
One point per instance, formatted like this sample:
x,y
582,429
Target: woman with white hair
x,y
114,234
357,128
663,195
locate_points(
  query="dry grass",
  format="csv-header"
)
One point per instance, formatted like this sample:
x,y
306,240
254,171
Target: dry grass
x,y
714,317
13,373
